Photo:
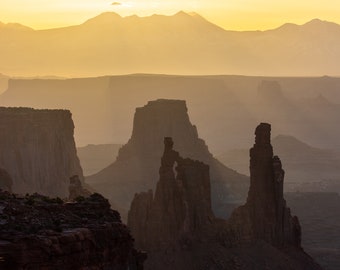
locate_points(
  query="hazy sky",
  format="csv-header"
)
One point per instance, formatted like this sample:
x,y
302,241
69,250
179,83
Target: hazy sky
x,y
230,14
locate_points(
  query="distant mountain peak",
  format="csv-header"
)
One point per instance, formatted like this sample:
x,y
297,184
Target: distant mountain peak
x,y
287,142
15,26
317,24
104,18
181,13
316,21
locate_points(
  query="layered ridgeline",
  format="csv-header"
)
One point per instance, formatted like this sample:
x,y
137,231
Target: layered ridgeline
x,y
307,108
304,163
177,227
180,44
136,167
38,150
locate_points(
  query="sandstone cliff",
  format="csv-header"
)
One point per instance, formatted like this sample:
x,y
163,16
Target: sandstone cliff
x,y
137,164
38,150
37,232
177,228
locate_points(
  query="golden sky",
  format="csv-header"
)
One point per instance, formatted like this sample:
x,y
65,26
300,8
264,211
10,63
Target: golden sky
x,y
229,14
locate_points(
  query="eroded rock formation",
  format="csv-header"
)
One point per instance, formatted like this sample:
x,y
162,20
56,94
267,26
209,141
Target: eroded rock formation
x,y
37,232
136,167
181,206
177,227
265,216
38,150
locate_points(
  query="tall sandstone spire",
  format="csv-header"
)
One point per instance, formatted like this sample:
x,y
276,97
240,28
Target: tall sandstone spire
x,y
268,217
177,228
180,207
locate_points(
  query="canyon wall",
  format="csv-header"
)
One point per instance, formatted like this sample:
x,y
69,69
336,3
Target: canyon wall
x,y
38,150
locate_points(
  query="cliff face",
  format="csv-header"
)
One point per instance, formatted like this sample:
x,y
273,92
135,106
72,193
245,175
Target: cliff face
x,y
38,150
6,181
136,167
177,228
180,207
37,232
265,215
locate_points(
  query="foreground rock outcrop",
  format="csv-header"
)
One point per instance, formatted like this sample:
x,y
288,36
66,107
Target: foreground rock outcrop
x,y
38,150
178,229
136,167
37,232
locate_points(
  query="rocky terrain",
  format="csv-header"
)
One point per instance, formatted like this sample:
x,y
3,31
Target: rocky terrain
x,y
38,232
38,150
177,228
137,163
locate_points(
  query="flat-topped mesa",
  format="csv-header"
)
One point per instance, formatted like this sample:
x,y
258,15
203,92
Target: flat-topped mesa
x,y
180,207
38,150
137,165
265,215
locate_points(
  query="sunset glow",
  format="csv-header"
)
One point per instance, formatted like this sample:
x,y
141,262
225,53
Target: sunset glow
x,y
233,14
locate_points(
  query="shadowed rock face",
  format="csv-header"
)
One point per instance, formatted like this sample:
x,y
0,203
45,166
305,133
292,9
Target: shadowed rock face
x,y
265,215
38,150
181,206
6,181
136,167
38,232
177,228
